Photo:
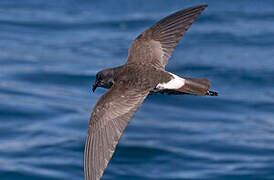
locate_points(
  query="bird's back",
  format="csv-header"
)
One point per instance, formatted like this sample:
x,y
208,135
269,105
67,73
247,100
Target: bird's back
x,y
140,76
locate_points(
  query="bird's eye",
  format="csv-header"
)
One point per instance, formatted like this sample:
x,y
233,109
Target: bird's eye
x,y
98,77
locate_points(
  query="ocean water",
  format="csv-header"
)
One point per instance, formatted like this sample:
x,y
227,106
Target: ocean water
x,y
50,52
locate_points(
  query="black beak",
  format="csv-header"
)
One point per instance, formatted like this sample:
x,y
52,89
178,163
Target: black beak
x,y
94,86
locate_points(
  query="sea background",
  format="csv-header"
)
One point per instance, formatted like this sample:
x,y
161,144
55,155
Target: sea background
x,y
50,52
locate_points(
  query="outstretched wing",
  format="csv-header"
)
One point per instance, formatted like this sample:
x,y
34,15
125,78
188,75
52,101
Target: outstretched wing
x,y
108,120
156,44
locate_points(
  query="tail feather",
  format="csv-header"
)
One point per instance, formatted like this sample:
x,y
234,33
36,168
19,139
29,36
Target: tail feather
x,y
192,86
195,86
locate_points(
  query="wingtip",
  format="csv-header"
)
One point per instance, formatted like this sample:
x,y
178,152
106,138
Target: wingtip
x,y
204,5
200,8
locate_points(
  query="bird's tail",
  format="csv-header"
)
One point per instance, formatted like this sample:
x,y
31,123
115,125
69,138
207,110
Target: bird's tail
x,y
196,87
191,86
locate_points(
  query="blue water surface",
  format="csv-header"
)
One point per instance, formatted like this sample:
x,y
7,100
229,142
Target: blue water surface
x,y
51,50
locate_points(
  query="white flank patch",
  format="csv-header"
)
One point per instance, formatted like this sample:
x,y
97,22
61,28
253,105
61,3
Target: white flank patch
x,y
174,83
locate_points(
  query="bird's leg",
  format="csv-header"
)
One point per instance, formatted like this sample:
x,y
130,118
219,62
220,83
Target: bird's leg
x,y
165,91
211,93
175,92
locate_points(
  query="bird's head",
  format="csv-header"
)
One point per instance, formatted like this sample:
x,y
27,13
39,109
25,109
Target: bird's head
x,y
104,79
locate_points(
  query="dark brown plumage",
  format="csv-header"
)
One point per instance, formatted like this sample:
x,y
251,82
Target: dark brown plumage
x,y
144,73
108,121
156,44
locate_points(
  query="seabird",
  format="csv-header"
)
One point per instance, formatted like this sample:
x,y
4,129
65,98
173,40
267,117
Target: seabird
x,y
143,74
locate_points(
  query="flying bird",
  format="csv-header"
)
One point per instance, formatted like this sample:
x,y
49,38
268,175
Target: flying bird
x,y
143,74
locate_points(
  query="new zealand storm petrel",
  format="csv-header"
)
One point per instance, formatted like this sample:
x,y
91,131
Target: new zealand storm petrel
x,y
143,74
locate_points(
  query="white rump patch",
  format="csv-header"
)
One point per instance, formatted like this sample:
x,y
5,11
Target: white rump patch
x,y
175,83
